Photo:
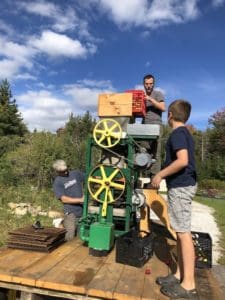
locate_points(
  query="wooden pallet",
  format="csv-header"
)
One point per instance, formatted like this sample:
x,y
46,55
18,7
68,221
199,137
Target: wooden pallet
x,y
70,272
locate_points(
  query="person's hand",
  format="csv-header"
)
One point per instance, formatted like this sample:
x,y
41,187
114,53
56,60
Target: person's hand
x,y
156,181
149,99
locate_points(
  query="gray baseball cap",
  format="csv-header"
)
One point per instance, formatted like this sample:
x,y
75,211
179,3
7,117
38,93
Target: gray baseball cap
x,y
59,165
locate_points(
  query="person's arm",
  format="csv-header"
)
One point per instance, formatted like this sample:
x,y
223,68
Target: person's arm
x,y
177,165
159,105
70,200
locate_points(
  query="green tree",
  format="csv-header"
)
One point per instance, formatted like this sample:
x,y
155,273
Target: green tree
x,y
32,161
217,133
11,122
75,134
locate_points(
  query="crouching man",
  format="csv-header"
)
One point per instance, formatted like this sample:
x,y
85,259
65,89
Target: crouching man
x,y
68,187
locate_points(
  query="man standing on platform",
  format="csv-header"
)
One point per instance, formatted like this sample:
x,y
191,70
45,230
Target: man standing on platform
x,y
155,105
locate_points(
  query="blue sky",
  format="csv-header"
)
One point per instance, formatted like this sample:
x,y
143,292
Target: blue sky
x,y
60,55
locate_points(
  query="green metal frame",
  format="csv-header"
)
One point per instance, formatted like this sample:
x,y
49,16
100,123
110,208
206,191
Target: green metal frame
x,y
94,223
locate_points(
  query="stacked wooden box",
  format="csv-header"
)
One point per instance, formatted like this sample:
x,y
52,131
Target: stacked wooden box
x,y
29,238
115,105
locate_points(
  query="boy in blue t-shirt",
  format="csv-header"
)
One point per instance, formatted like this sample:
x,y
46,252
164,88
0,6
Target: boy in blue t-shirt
x,y
180,175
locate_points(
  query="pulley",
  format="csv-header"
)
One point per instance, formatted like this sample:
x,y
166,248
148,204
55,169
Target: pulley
x,y
107,133
138,198
143,160
106,184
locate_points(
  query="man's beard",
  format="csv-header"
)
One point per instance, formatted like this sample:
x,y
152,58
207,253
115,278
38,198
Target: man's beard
x,y
149,91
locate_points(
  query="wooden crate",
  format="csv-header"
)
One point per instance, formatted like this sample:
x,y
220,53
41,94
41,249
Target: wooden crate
x,y
114,105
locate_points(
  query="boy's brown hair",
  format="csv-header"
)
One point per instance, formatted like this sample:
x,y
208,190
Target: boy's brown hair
x,y
180,109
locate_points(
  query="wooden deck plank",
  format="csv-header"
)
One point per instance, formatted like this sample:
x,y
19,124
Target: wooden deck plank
x,y
73,273
42,265
61,276
12,261
206,285
151,291
105,281
130,285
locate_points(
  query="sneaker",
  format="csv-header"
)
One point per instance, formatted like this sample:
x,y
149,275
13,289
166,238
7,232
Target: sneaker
x,y
176,291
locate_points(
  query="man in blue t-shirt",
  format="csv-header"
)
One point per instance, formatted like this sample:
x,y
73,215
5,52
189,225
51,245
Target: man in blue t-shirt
x,y
68,187
180,174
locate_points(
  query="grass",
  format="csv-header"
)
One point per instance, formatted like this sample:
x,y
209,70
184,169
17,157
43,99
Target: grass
x,y
24,194
219,214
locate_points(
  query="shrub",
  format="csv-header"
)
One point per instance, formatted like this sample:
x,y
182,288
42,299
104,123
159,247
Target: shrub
x,y
212,184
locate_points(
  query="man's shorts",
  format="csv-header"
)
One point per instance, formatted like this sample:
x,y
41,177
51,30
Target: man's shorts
x,y
179,207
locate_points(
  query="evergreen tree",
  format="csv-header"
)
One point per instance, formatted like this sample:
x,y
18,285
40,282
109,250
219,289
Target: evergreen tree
x,y
11,122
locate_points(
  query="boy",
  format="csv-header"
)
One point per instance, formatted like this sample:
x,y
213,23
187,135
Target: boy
x,y
180,175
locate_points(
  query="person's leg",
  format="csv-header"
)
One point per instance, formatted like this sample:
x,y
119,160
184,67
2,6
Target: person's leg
x,y
187,258
179,209
179,271
70,226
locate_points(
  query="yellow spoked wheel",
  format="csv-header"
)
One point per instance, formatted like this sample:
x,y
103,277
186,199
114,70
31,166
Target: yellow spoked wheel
x,y
107,133
106,184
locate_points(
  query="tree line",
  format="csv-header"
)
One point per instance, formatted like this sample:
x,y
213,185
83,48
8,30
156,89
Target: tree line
x,y
26,157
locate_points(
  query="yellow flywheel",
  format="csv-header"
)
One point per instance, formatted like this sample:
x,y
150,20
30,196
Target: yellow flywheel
x,y
107,133
106,184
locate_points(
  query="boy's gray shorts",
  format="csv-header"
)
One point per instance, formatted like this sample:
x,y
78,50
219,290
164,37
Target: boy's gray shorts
x,y
179,207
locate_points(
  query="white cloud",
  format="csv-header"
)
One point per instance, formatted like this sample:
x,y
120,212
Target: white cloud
x,y
45,110
85,93
15,57
8,68
42,8
55,44
151,15
63,19
42,110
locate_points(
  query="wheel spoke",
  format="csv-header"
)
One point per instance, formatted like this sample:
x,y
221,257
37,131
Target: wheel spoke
x,y
109,141
117,185
114,173
98,192
110,197
105,125
95,180
104,177
113,127
101,139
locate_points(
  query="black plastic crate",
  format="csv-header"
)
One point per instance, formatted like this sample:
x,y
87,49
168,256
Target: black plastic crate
x,y
133,250
203,249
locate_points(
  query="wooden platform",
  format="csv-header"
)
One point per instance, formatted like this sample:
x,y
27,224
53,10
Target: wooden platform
x,y
70,272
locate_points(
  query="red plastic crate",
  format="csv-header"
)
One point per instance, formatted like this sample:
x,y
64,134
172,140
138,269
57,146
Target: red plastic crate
x,y
139,104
